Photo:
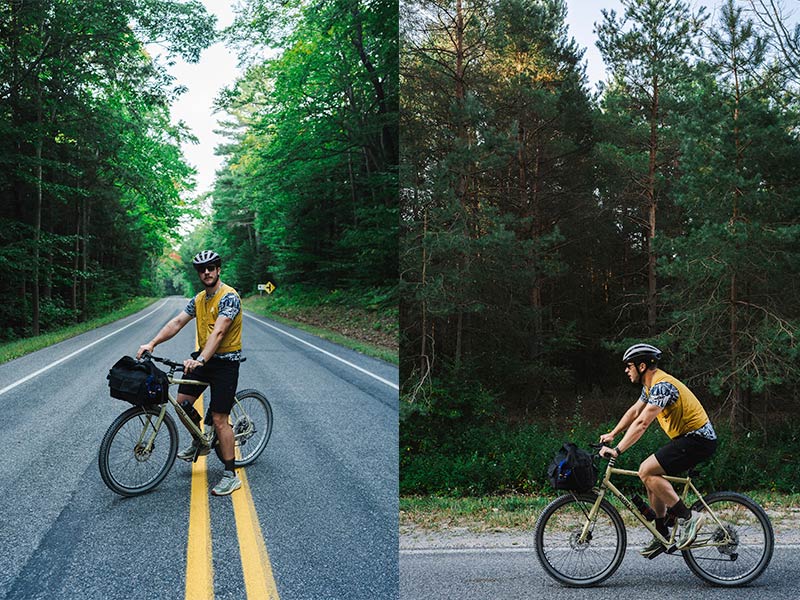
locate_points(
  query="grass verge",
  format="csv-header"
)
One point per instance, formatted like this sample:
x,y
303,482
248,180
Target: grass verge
x,y
11,350
369,332
514,512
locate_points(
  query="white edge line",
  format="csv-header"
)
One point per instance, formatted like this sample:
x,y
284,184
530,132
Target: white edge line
x,y
514,549
68,356
349,364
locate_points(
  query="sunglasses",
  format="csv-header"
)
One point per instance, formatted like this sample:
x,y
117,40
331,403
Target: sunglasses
x,y
203,269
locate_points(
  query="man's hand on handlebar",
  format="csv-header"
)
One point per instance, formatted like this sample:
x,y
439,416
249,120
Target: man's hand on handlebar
x,y
606,452
145,348
606,438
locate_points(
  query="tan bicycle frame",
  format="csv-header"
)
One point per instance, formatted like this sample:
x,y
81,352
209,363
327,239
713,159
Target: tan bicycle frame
x,y
195,431
606,485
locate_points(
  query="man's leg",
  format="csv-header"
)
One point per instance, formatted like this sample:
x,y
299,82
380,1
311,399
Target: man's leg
x,y
187,403
225,450
659,491
225,438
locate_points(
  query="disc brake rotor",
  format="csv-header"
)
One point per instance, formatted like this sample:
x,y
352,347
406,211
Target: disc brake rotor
x,y
140,452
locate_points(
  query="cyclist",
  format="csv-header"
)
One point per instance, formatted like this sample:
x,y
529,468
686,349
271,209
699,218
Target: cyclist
x,y
217,311
692,440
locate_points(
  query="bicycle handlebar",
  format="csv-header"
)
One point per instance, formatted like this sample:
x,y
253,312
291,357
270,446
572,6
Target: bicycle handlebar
x,y
597,448
171,363
165,361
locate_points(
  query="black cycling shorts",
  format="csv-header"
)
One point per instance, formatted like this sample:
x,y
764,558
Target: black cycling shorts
x,y
223,376
684,452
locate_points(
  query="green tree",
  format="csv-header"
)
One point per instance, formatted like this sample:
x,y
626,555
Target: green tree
x,y
90,170
311,170
737,309
496,196
647,50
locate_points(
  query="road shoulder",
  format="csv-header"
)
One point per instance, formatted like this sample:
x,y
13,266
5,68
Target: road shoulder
x,y
447,535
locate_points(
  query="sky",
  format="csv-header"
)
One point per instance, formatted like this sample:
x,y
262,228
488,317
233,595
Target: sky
x,y
583,14
216,69
581,17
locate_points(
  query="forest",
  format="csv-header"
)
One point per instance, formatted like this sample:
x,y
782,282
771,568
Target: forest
x,y
545,227
94,187
308,193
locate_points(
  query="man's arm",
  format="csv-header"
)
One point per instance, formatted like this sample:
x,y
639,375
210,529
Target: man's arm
x,y
639,426
637,429
629,417
169,331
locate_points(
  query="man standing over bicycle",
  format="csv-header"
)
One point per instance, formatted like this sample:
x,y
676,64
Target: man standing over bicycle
x,y
692,440
217,311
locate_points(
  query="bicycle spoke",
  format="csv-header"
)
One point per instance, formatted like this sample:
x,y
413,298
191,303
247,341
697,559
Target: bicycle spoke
x,y
126,463
565,556
736,549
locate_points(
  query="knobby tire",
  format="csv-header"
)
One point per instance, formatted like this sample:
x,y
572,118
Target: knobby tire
x,y
123,467
562,556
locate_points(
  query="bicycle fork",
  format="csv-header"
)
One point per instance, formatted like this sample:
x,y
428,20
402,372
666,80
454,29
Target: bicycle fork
x,y
586,532
145,442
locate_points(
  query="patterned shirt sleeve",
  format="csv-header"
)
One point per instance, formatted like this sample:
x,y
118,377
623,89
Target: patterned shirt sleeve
x,y
230,306
663,394
190,310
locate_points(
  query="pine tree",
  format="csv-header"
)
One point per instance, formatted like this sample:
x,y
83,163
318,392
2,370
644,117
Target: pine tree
x,y
648,50
738,312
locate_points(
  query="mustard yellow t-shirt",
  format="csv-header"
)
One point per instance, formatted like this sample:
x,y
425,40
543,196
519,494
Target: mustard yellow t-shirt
x,y
682,413
206,309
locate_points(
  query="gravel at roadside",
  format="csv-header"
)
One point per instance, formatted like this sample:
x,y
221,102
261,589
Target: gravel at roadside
x,y
785,521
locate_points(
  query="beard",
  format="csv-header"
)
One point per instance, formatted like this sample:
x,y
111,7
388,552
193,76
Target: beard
x,y
212,283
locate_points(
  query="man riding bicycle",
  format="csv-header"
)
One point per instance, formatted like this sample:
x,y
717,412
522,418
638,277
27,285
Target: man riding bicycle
x,y
692,440
217,310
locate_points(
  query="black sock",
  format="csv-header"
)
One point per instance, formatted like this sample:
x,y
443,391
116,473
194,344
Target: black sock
x,y
230,465
680,510
661,526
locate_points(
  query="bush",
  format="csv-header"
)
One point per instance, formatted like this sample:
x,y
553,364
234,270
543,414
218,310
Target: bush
x,y
497,457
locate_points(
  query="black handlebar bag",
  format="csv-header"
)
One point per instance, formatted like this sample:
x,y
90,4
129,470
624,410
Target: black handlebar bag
x,y
572,469
140,383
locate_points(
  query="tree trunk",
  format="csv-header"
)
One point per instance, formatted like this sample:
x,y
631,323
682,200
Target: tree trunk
x,y
459,329
423,350
651,209
37,219
84,258
736,388
388,138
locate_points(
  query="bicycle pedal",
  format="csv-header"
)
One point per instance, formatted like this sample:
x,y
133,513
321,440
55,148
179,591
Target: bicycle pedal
x,y
654,553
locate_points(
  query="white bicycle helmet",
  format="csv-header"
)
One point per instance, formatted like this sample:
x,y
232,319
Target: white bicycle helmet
x,y
642,353
207,257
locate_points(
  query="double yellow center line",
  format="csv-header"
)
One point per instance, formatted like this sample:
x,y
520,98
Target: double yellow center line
x,y
256,567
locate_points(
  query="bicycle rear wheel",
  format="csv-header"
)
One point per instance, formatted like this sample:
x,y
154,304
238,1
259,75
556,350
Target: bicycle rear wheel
x,y
126,466
251,419
558,547
750,547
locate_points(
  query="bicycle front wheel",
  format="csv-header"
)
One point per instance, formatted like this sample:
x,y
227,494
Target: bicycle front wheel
x,y
251,420
736,550
561,552
129,464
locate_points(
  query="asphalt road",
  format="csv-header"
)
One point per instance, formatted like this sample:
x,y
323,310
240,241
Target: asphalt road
x,y
325,489
515,574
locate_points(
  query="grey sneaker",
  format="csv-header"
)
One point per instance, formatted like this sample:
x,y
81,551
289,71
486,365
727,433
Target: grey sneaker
x,y
688,530
188,453
653,549
228,484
